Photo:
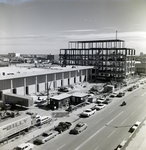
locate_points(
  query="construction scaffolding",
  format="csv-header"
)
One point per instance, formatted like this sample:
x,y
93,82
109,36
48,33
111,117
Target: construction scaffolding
x,y
110,58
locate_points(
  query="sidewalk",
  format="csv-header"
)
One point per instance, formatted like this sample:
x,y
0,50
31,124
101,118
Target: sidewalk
x,y
138,142
72,117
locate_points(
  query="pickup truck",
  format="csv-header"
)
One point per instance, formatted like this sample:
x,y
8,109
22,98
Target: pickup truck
x,y
62,126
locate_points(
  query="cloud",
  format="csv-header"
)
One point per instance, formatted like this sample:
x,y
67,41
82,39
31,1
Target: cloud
x,y
14,2
85,30
3,33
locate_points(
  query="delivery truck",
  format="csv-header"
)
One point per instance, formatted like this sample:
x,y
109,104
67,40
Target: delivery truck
x,y
15,99
14,125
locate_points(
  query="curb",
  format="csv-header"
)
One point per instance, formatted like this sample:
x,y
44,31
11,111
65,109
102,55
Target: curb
x,y
131,135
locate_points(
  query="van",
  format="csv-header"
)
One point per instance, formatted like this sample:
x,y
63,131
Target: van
x,y
43,119
25,146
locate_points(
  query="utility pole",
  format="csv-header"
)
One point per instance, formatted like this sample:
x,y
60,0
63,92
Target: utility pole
x,y
116,56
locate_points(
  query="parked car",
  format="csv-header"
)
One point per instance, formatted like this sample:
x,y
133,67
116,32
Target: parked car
x,y
121,94
142,82
113,94
134,127
87,113
25,146
130,89
63,89
120,146
100,100
100,106
78,128
137,85
62,126
43,119
46,136
107,101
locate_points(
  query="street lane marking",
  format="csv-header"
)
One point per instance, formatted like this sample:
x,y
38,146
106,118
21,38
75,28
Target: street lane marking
x,y
111,134
140,106
61,146
89,138
111,112
143,94
99,120
132,113
115,117
124,121
96,148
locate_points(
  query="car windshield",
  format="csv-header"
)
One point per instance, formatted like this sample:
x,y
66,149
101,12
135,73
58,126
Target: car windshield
x,y
100,104
18,148
87,110
44,134
79,125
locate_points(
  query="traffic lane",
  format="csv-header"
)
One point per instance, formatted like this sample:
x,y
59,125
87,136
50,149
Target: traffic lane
x,y
65,140
94,120
137,92
66,144
128,121
104,139
92,130
119,131
57,142
99,137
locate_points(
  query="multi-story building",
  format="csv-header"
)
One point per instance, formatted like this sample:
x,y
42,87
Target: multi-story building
x,y
110,58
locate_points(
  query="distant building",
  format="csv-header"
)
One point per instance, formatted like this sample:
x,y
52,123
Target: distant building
x,y
12,55
140,68
110,58
40,58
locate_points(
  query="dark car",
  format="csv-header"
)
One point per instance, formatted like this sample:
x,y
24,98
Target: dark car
x,y
78,128
120,94
62,126
63,89
107,101
130,89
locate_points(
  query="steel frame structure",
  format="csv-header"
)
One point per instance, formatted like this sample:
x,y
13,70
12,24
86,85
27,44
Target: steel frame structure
x,y
110,58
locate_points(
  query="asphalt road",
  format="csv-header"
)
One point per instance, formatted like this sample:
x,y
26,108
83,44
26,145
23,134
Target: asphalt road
x,y
106,128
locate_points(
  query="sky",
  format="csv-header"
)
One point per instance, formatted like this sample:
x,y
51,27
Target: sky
x,y
46,26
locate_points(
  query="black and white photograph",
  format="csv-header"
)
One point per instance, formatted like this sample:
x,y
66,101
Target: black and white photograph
x,y
72,74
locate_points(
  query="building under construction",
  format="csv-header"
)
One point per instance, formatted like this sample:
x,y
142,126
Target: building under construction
x,y
110,58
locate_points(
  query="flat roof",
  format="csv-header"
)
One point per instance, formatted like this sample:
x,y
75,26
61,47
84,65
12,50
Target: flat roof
x,y
88,41
61,96
17,95
20,72
79,94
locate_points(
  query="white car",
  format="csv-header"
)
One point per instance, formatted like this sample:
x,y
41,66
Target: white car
x,y
120,146
113,94
79,128
99,106
25,146
135,126
88,112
